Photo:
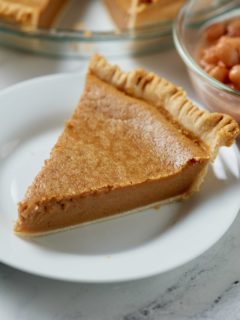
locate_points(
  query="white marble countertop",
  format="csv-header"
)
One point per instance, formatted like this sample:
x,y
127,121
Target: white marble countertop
x,y
207,288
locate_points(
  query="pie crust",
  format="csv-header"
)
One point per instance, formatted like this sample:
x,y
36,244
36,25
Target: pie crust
x,y
137,13
125,13
133,140
30,13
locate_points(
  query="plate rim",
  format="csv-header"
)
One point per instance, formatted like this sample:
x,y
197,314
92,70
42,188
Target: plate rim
x,y
64,76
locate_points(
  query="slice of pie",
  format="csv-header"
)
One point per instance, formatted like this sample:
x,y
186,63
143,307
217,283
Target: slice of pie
x,y
125,13
133,140
30,13
137,13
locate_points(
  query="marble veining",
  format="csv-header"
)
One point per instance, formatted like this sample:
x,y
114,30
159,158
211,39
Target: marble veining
x,y
207,288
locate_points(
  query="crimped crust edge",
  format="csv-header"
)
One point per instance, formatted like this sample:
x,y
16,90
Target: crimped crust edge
x,y
214,129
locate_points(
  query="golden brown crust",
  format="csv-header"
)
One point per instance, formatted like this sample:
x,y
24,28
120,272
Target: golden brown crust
x,y
30,13
130,142
214,129
17,12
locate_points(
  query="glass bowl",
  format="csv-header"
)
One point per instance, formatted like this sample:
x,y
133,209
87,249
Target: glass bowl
x,y
194,16
78,34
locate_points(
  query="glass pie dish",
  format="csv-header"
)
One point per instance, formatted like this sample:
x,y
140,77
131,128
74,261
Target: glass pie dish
x,y
77,33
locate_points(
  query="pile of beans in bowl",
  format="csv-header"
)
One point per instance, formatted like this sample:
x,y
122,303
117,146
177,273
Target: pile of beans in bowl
x,y
219,54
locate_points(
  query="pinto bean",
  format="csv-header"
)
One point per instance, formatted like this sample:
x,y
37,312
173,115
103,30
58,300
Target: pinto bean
x,y
214,31
209,67
234,42
234,75
210,56
227,53
219,73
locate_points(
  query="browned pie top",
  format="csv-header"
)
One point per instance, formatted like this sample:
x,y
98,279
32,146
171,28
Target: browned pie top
x,y
129,128
113,140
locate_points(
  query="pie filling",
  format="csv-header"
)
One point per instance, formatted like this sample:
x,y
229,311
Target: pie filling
x,y
134,139
125,13
59,214
141,13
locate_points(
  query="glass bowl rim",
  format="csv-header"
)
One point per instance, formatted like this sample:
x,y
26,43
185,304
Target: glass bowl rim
x,y
188,59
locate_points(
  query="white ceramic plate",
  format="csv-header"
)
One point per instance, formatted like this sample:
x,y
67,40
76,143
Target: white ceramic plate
x,y
132,247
